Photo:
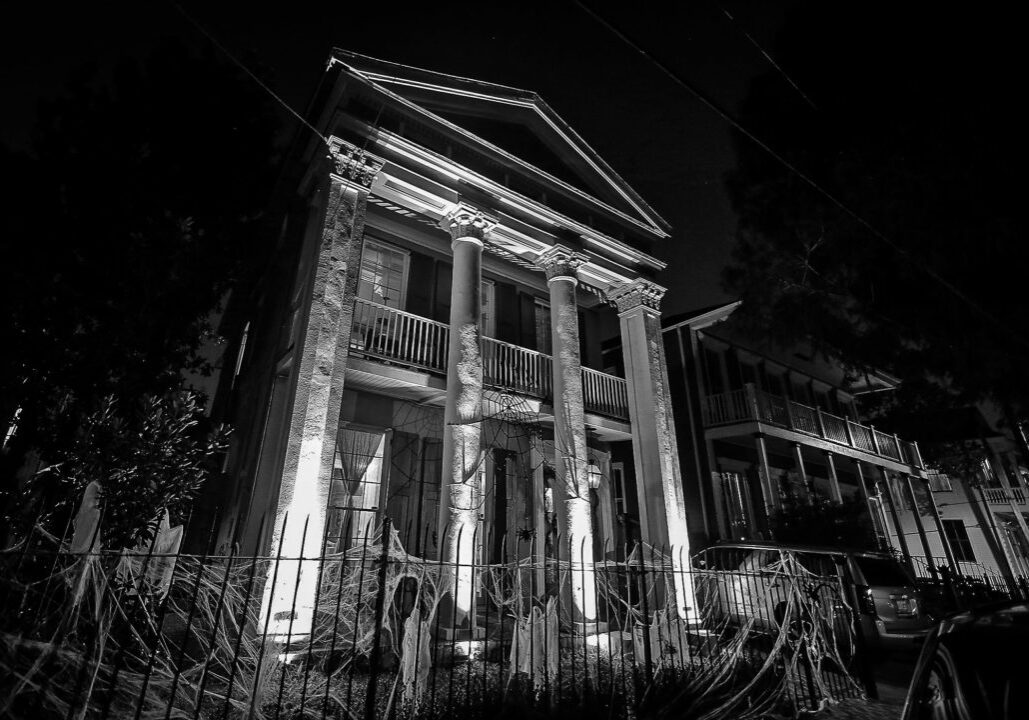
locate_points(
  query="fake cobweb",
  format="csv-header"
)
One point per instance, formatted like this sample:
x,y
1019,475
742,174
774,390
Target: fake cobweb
x,y
187,641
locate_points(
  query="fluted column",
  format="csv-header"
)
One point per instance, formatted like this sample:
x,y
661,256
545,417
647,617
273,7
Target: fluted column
x,y
571,496
303,494
654,448
462,416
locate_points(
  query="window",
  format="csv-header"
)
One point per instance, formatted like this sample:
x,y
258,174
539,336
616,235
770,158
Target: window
x,y
383,275
618,482
939,482
959,542
543,337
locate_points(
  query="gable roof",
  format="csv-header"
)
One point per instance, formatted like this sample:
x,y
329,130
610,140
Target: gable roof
x,y
517,123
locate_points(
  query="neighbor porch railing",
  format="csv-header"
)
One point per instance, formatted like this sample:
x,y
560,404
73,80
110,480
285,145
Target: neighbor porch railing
x,y
1001,496
395,336
751,404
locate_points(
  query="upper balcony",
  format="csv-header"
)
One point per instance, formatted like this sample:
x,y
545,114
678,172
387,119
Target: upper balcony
x,y
1002,496
395,336
753,405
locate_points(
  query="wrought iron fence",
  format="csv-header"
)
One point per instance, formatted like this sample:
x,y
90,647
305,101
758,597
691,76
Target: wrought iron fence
x,y
946,589
168,635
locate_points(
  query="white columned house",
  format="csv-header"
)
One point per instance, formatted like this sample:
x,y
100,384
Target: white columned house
x,y
425,345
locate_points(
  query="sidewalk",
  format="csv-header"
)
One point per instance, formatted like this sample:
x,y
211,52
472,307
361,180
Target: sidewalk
x,y
862,710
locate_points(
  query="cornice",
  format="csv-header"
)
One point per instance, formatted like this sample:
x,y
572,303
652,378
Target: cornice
x,y
639,293
353,165
458,173
375,80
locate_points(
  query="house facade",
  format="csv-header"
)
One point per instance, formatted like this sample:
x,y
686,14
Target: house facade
x,y
760,426
425,345
982,500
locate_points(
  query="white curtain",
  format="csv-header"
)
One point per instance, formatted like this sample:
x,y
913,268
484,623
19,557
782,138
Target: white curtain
x,y
357,474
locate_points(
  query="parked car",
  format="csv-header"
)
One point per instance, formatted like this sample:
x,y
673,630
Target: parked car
x,y
969,668
757,582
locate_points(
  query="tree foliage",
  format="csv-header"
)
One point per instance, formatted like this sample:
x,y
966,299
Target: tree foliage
x,y
911,126
148,457
138,205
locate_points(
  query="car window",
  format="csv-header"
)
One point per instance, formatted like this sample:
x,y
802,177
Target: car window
x,y
881,571
726,558
758,560
717,559
817,563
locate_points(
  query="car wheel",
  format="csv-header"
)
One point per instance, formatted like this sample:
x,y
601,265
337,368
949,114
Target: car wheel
x,y
940,697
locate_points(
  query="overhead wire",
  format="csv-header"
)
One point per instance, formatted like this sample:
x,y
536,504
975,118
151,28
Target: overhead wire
x,y
839,204
238,63
767,56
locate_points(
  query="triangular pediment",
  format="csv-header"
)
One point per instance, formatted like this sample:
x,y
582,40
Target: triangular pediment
x,y
517,122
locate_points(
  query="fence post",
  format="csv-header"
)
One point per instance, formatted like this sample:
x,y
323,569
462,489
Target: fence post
x,y
380,603
647,660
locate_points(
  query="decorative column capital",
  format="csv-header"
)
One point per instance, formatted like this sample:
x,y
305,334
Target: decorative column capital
x,y
465,221
560,261
353,165
638,293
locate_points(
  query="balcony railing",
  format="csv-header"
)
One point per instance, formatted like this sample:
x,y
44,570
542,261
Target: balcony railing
x,y
1000,496
395,336
751,404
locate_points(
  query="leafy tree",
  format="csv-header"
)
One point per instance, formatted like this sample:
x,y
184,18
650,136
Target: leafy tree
x,y
147,458
141,202
913,259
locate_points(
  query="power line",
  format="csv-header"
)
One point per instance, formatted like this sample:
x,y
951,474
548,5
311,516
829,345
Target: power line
x,y
238,63
935,276
768,57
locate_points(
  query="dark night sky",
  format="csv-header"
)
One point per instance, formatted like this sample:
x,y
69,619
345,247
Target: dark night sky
x,y
664,142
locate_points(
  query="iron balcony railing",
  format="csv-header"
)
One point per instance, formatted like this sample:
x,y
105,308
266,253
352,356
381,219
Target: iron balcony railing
x,y
751,404
400,337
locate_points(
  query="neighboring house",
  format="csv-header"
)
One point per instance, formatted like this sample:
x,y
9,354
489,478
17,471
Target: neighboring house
x,y
425,343
759,426
985,518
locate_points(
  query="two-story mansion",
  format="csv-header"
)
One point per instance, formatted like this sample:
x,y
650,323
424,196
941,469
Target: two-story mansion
x,y
759,424
425,343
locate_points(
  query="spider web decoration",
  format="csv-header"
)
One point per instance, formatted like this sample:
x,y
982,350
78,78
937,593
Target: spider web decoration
x,y
196,647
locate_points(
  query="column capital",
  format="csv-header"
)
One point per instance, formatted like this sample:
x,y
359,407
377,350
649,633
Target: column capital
x,y
638,293
465,221
560,261
353,165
